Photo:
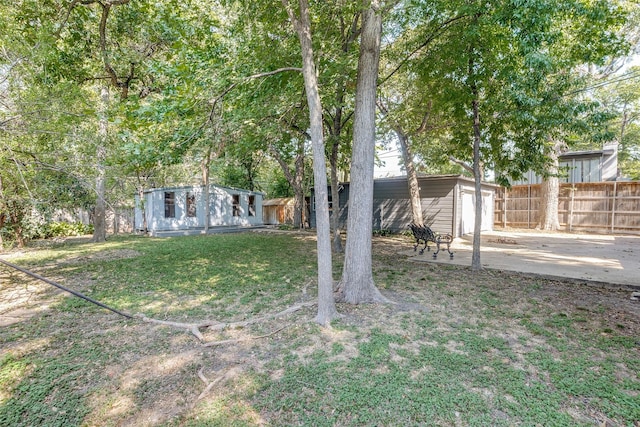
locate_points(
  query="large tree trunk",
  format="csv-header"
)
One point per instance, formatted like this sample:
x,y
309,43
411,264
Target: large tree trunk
x,y
357,284
16,215
549,204
99,213
550,192
477,168
326,304
3,216
143,205
412,177
298,205
349,36
295,179
477,175
206,178
407,159
298,186
336,243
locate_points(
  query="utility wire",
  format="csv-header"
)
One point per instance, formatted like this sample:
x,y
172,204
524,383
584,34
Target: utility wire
x,y
71,291
619,79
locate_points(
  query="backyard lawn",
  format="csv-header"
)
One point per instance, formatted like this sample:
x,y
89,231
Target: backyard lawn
x,y
455,348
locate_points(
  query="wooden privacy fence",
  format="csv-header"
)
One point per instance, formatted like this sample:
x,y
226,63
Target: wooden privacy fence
x,y
612,207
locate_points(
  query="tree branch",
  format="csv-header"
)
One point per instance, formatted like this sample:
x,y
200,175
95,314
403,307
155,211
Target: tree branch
x,y
215,100
218,326
425,119
292,16
72,6
462,163
444,26
237,340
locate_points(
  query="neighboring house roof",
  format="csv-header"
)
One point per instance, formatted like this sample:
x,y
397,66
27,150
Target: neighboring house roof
x,y
587,153
606,150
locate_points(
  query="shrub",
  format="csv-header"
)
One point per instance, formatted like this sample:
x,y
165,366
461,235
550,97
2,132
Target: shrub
x,y
286,227
382,232
65,229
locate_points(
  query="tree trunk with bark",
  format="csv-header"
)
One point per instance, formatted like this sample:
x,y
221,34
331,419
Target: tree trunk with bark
x,y
99,212
357,284
407,158
336,243
206,180
15,219
349,34
326,304
143,207
3,217
295,179
550,191
298,186
477,176
476,265
412,177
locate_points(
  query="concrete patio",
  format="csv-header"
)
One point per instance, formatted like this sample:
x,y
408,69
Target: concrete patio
x,y
606,259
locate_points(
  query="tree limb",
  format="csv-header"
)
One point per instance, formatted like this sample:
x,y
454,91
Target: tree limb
x,y
211,384
123,86
217,99
194,328
444,26
292,16
425,119
237,340
462,163
65,19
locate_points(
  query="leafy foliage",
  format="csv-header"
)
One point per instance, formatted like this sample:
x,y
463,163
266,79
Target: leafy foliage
x,y
523,58
177,57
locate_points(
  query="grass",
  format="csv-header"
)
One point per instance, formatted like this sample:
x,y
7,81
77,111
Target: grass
x,y
490,348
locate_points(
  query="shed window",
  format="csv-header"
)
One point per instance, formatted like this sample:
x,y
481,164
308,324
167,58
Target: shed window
x,y
252,205
236,205
191,205
169,204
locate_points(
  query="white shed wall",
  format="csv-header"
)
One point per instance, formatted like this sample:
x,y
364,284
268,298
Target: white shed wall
x,y
220,202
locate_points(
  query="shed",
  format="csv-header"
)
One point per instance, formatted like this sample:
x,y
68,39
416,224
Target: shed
x,y
280,211
448,204
277,211
183,208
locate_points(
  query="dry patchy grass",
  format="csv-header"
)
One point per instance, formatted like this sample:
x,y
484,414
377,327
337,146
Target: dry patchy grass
x,y
488,338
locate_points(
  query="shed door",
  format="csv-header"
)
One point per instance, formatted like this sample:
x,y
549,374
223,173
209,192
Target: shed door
x,y
468,213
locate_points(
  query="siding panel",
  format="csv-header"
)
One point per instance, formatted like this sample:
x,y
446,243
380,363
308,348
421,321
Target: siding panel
x,y
392,210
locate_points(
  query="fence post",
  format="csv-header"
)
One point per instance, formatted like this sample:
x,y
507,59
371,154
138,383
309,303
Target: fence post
x,y
613,206
529,206
573,191
504,209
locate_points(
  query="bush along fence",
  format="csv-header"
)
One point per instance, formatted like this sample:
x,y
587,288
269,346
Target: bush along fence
x,y
612,207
